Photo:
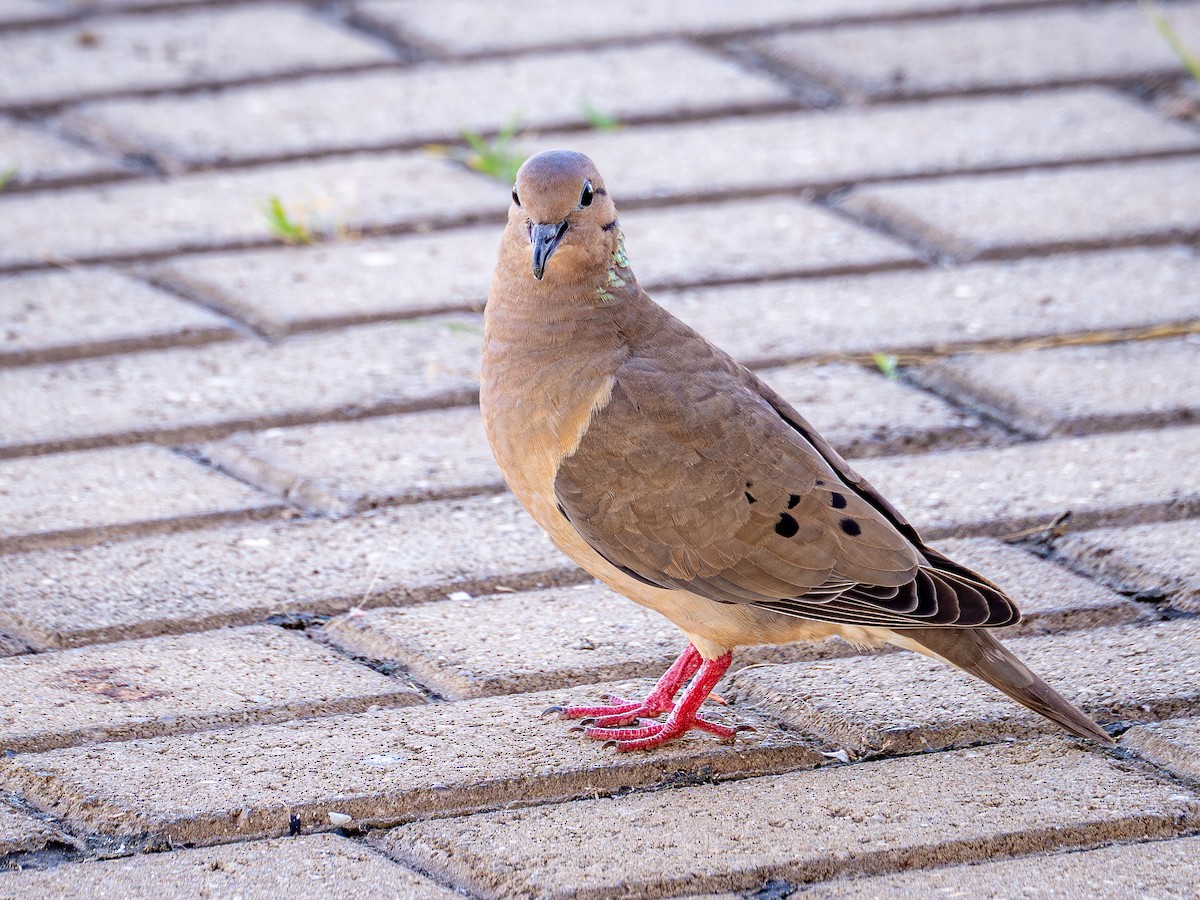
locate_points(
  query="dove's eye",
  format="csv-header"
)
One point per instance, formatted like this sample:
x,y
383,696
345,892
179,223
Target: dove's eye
x,y
516,199
585,199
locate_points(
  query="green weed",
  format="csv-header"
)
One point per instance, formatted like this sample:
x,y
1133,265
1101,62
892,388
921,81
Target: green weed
x,y
599,119
6,176
1186,55
495,157
887,365
283,226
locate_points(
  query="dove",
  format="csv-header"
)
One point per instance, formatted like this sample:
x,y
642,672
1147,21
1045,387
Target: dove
x,y
675,476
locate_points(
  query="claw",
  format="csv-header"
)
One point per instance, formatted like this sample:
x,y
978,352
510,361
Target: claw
x,y
552,710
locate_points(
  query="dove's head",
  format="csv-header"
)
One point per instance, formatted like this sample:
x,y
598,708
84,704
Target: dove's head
x,y
561,210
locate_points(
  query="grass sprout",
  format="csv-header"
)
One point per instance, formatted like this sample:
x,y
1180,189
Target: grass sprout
x,y
283,226
886,364
1186,55
599,119
495,157
6,176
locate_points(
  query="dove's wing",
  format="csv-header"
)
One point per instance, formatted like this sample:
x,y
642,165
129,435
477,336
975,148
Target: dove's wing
x,y
691,477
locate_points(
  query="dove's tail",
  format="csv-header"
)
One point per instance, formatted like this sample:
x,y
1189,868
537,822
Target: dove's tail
x,y
976,652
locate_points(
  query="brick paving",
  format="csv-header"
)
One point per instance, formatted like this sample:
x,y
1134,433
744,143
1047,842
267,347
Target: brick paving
x,y
1022,212
51,316
261,587
974,53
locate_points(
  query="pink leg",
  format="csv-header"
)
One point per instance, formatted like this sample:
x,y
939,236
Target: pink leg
x,y
659,700
683,714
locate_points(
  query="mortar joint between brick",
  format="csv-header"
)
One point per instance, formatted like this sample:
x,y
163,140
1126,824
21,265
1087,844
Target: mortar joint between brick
x,y
390,668
230,313
1136,759
91,535
84,13
407,48
199,457
808,90
197,337
1138,593
369,846
187,434
50,107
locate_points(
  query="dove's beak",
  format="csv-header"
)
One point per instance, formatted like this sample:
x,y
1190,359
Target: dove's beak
x,y
545,238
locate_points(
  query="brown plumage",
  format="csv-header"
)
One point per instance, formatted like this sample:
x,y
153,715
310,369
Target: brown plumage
x,y
674,475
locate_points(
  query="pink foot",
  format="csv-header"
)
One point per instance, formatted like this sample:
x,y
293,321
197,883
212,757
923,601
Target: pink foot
x,y
660,700
601,722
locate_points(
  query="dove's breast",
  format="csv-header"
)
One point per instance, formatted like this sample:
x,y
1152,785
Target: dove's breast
x,y
537,399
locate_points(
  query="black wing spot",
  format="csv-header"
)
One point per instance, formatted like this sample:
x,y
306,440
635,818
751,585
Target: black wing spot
x,y
786,526
750,498
837,501
819,483
610,226
793,499
851,527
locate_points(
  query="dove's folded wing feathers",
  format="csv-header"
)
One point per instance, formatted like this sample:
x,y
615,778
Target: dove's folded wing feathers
x,y
701,484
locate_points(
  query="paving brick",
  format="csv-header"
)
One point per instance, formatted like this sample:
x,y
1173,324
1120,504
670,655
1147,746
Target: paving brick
x,y
1136,672
942,308
121,5
1159,560
157,51
378,767
313,868
282,290
20,832
436,454
27,11
1174,745
401,459
994,52
1073,390
1007,489
88,312
476,26
169,394
166,685
840,146
243,572
287,289
998,215
750,239
802,827
432,101
1111,387
81,498
866,414
33,155
1165,869
582,633
225,209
